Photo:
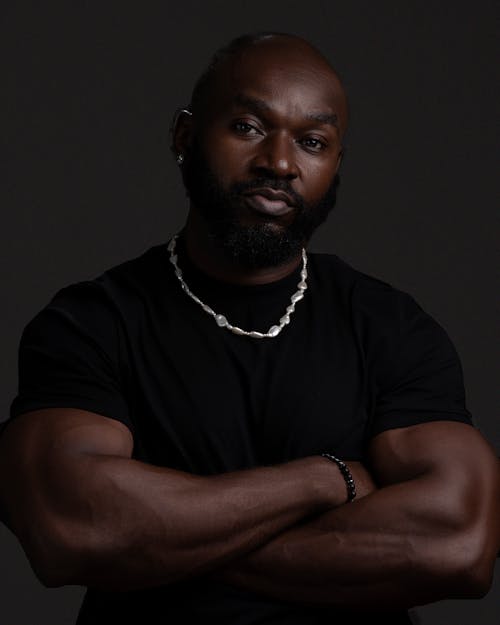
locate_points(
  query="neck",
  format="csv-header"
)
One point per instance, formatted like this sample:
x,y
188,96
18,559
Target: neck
x,y
211,260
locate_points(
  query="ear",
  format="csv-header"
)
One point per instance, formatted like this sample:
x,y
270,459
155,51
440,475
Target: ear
x,y
340,158
181,131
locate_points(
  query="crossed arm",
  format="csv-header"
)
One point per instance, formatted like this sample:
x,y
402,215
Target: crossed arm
x,y
430,530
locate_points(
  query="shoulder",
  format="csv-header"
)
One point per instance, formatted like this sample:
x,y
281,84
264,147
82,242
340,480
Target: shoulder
x,y
369,296
383,317
89,320
336,268
140,276
413,367
111,293
144,269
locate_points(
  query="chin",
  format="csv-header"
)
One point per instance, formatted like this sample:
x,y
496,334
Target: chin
x,y
256,245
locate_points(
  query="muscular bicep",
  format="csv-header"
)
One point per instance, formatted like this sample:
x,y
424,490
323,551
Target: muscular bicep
x,y
452,472
38,447
38,433
439,447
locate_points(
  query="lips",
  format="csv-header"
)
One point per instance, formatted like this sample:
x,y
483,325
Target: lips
x,y
269,201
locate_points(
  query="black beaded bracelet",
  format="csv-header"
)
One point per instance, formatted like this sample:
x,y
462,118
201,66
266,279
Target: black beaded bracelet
x,y
346,474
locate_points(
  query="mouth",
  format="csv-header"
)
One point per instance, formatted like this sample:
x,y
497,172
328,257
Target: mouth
x,y
269,202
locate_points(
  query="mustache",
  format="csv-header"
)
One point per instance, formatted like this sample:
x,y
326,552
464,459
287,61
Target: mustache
x,y
270,183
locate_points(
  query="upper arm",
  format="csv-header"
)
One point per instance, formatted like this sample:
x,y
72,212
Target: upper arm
x,y
72,354
48,430
458,475
39,445
442,447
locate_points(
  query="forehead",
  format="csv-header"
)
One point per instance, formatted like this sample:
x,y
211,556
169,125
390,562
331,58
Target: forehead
x,y
290,77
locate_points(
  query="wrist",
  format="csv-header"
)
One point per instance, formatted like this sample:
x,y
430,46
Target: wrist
x,y
346,474
328,482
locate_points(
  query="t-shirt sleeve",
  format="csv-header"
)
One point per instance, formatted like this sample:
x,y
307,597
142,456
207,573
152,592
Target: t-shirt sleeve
x,y
70,355
416,373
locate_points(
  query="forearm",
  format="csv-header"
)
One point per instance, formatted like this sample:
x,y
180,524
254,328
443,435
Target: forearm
x,y
396,548
117,523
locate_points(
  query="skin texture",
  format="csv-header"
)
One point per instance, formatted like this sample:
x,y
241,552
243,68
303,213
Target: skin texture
x,y
277,110
427,530
430,532
76,478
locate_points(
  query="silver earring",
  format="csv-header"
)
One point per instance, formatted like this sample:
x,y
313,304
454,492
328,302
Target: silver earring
x,y
180,159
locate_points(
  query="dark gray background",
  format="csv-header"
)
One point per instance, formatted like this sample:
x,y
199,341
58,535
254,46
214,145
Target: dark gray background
x,y
87,93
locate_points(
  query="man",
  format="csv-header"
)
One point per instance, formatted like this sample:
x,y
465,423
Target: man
x,y
168,434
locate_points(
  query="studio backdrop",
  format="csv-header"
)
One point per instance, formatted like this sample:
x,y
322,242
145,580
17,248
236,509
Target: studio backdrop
x,y
88,91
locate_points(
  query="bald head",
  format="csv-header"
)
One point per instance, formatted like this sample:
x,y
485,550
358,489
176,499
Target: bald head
x,y
261,150
289,54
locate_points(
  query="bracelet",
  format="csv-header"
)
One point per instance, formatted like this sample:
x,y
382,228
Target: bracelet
x,y
346,474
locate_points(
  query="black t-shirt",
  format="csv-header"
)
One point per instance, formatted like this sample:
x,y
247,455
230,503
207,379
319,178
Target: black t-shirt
x,y
357,358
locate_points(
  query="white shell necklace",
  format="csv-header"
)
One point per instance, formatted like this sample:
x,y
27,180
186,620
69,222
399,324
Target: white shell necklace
x,y
222,321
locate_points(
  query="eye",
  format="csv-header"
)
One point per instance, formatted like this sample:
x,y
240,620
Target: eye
x,y
313,144
244,128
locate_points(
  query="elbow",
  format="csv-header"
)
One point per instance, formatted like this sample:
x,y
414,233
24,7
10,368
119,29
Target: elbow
x,y
51,573
47,566
48,576
475,582
481,550
477,574
50,557
47,572
468,574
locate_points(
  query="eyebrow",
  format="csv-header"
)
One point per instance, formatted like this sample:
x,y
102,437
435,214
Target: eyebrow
x,y
252,103
258,105
324,118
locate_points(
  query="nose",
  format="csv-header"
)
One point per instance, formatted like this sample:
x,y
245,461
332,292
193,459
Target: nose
x,y
275,157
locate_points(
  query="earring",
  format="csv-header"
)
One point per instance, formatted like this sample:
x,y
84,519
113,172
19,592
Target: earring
x,y
179,159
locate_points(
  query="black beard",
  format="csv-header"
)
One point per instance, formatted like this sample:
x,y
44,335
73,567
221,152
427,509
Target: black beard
x,y
257,245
